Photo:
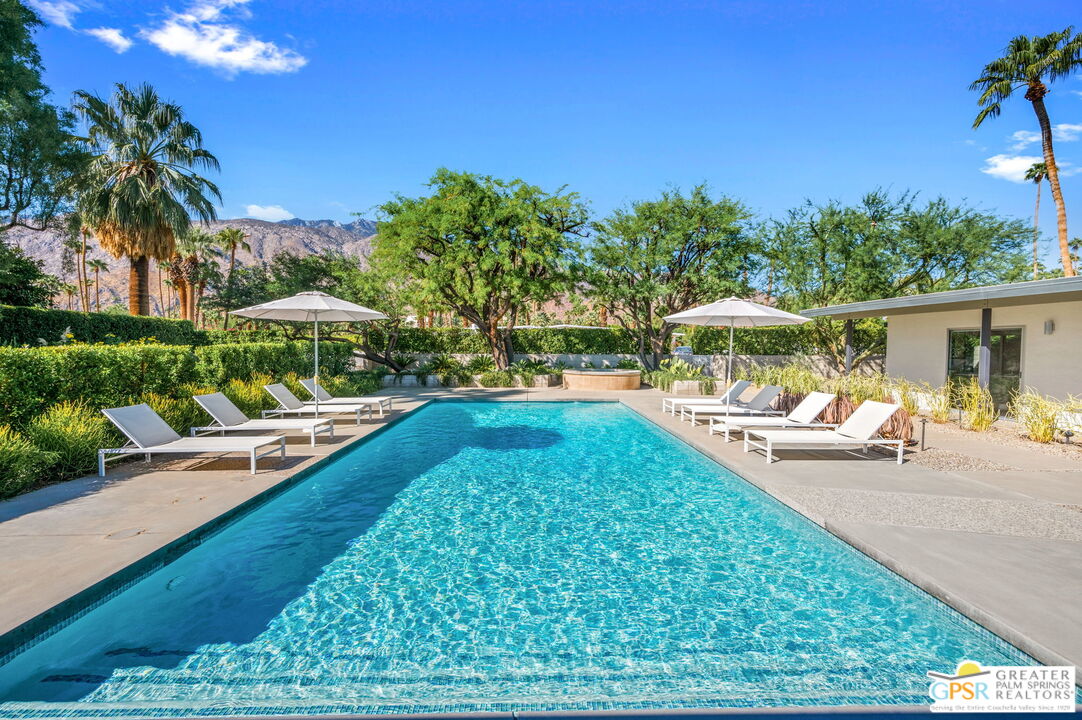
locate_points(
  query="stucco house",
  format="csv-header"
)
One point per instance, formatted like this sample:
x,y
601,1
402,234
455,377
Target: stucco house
x,y
1020,335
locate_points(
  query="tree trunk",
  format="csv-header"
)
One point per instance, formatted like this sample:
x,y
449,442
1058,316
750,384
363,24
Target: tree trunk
x,y
499,341
1036,97
139,286
84,283
97,293
1036,229
161,290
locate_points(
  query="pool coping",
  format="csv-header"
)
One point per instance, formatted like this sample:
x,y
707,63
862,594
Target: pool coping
x,y
921,580
55,618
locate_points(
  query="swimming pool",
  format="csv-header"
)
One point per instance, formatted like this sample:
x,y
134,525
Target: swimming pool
x,y
496,556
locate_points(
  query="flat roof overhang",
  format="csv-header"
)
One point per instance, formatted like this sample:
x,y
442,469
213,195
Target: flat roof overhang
x,y
1025,293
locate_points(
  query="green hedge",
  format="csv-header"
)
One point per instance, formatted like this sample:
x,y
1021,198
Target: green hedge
x,y
782,340
28,326
532,341
34,379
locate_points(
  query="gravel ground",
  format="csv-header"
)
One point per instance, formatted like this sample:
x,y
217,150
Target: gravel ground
x,y
995,517
947,461
1006,432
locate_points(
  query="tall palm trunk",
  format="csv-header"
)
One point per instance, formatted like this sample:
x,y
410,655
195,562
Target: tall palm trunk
x,y
161,294
1035,94
84,282
97,292
1036,230
139,286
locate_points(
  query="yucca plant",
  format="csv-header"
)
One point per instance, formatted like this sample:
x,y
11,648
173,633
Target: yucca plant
x,y
907,394
978,408
73,433
1038,414
22,464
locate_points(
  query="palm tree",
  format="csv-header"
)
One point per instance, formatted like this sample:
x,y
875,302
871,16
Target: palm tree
x,y
142,184
98,266
1036,174
69,290
1030,63
232,239
186,269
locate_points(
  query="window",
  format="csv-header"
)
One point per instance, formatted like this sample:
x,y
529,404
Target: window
x,y
1006,360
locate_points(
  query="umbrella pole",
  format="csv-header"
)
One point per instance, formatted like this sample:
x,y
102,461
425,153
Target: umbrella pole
x,y
729,371
315,376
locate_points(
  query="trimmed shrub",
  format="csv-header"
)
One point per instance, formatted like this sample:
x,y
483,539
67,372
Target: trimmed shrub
x,y
181,413
249,395
497,379
217,364
73,433
22,465
100,376
27,326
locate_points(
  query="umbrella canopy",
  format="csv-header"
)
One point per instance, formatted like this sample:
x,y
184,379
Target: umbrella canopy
x,y
733,313
311,307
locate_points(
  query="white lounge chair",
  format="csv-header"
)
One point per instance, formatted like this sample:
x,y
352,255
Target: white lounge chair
x,y
289,404
802,416
149,434
325,398
229,418
858,431
732,395
758,405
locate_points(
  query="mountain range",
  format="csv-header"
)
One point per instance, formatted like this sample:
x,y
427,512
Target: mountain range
x,y
267,239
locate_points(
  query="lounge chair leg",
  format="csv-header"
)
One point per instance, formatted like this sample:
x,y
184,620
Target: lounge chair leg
x,y
253,461
283,443
769,452
331,430
312,432
899,453
101,464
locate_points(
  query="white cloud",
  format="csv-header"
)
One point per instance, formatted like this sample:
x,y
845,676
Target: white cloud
x,y
57,12
204,35
1066,132
1009,167
1013,167
1063,132
1022,138
112,37
270,213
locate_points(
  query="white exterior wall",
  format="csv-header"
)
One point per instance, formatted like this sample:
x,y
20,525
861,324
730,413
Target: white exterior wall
x,y
1051,364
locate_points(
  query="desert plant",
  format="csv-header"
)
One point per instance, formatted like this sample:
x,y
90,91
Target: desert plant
x,y
480,364
450,371
249,395
940,402
907,394
1038,414
628,364
22,464
978,408
72,432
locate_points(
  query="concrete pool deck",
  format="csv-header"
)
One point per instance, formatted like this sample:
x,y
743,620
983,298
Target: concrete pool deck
x,y
1003,547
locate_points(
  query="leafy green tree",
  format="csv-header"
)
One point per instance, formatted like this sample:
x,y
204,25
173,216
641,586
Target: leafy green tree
x,y
289,274
1036,174
483,247
142,188
663,256
1032,63
39,158
22,281
884,247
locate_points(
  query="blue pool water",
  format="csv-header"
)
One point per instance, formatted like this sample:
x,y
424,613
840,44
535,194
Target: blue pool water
x,y
491,556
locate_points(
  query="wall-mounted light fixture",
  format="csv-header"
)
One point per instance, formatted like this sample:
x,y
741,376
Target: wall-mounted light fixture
x,y
1049,327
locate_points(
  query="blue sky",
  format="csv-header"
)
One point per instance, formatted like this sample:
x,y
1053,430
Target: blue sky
x,y
327,108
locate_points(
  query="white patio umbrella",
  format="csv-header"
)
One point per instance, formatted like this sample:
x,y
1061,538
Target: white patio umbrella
x,y
734,313
311,307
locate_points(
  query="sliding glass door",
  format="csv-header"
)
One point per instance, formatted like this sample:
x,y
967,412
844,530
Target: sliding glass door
x,y
1006,354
